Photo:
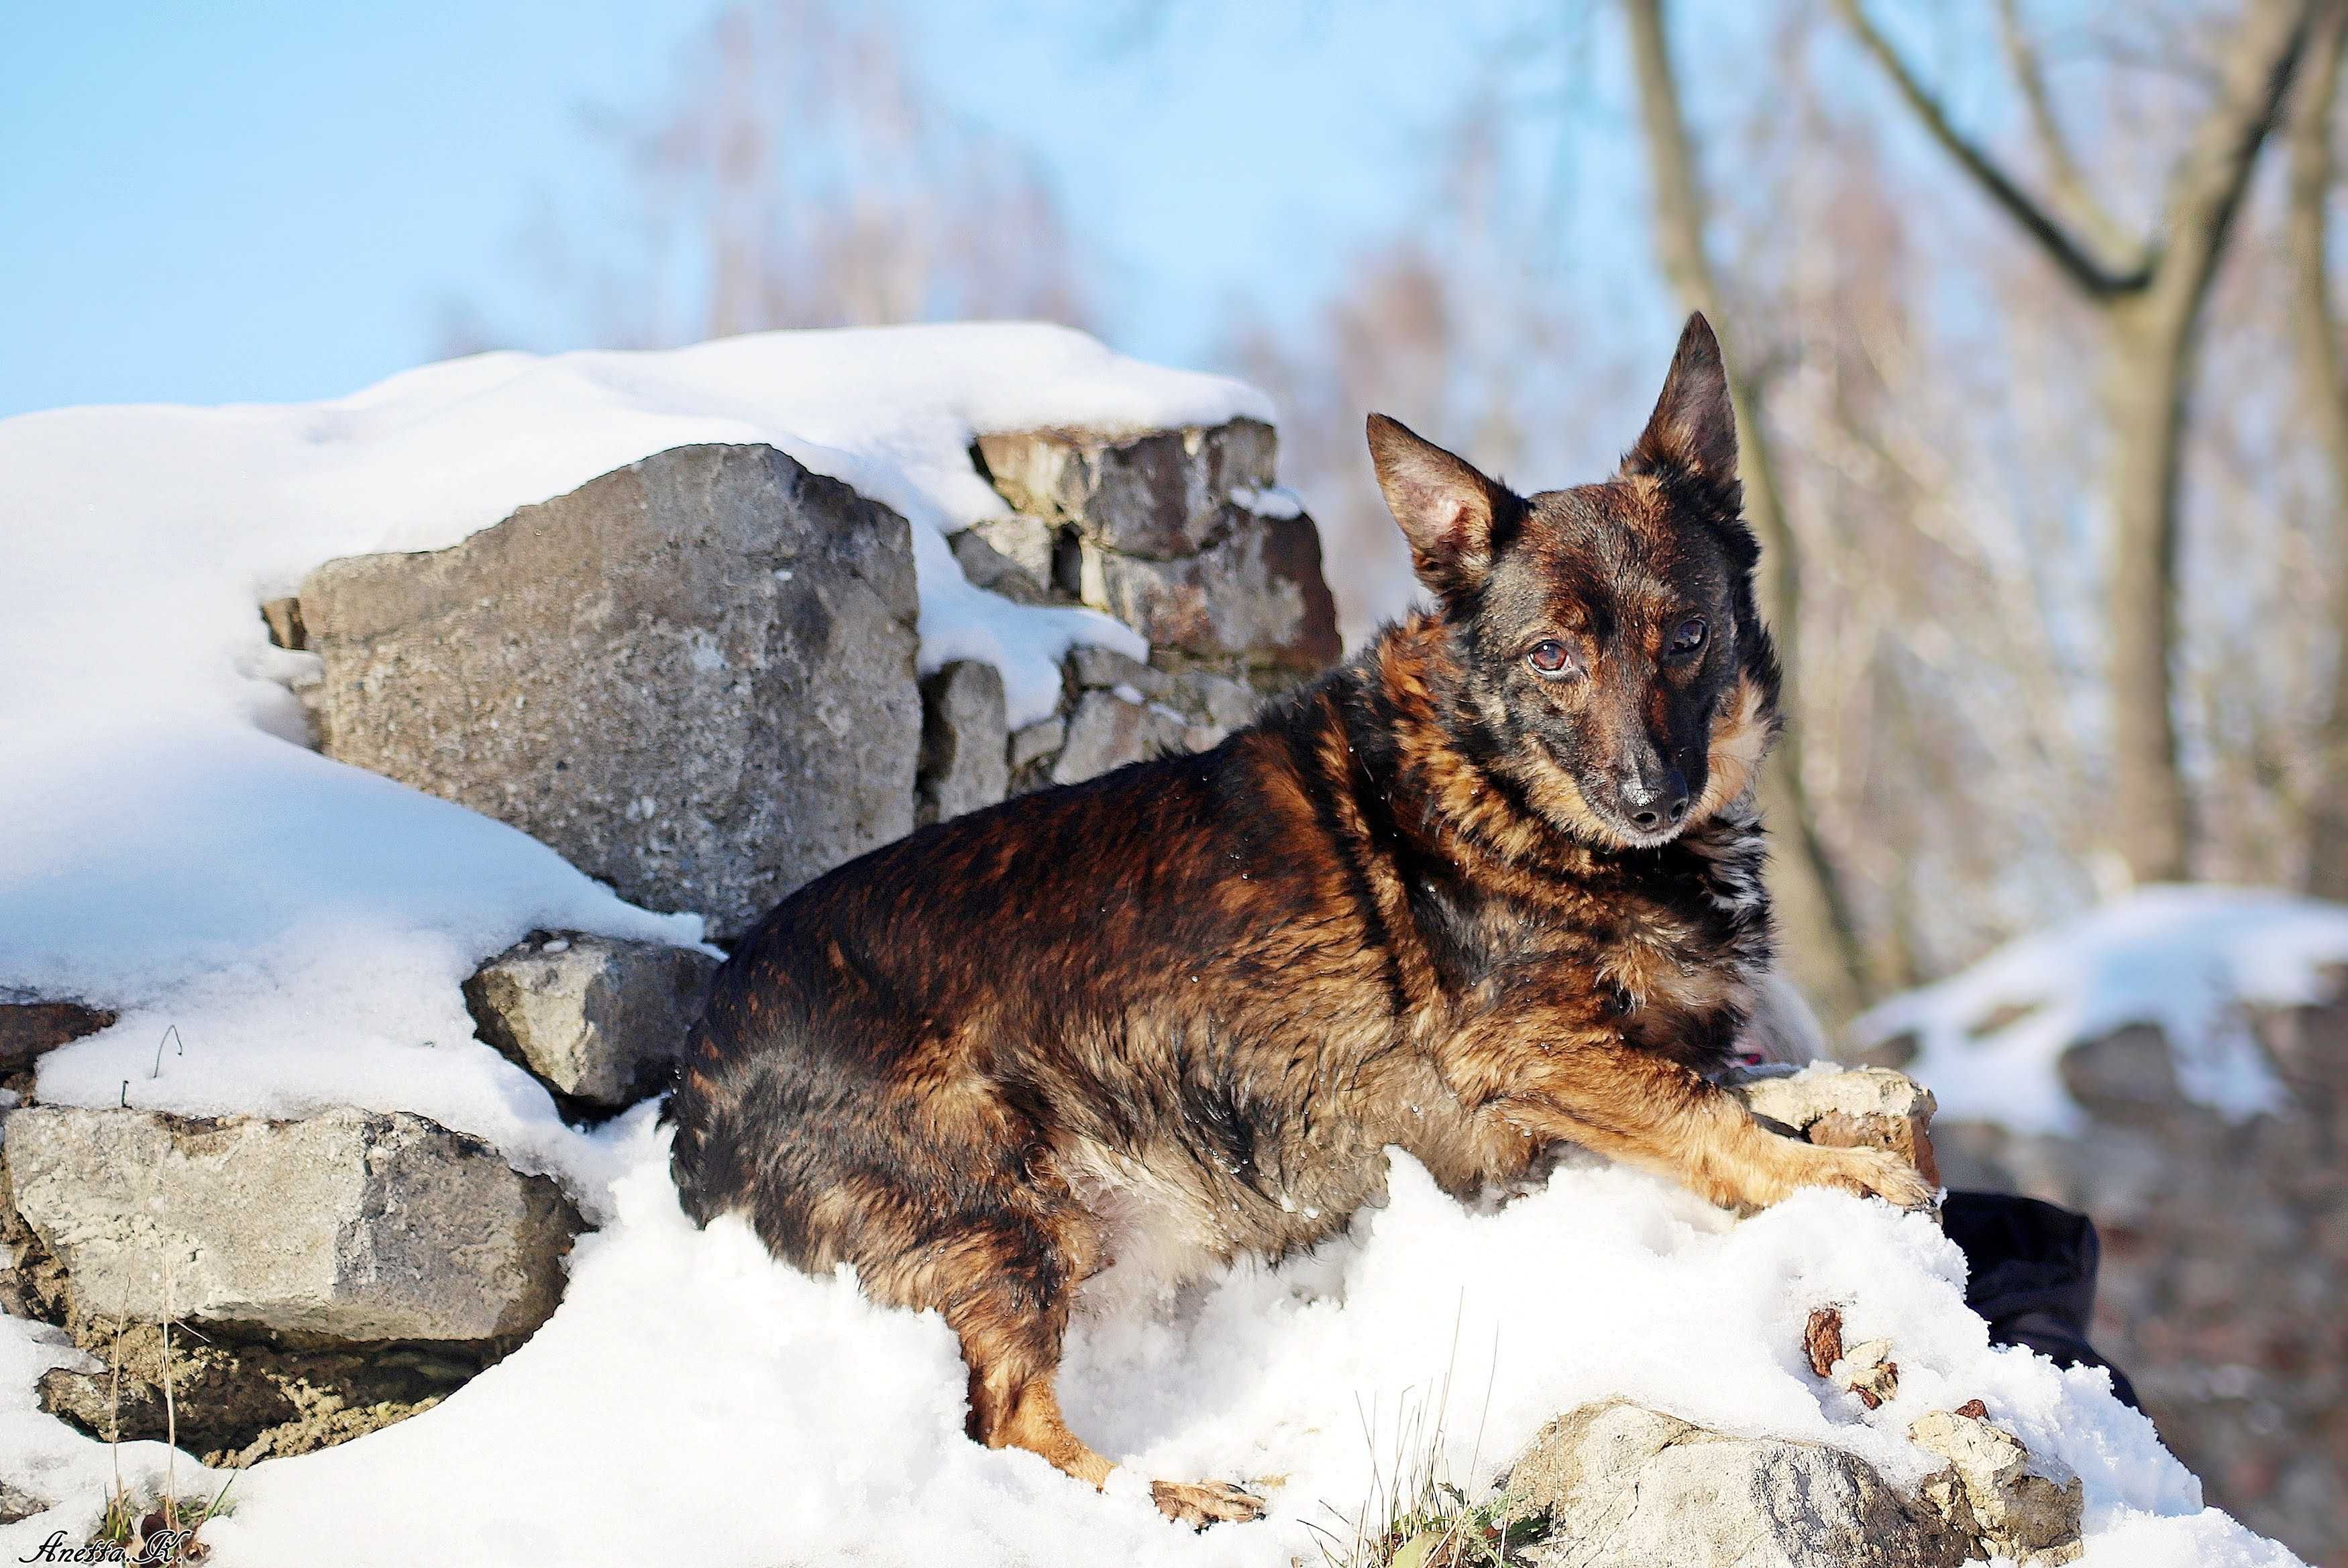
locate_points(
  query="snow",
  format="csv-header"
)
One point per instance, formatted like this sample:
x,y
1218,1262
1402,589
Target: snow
x,y
805,1425
2190,960
305,927
140,538
1275,501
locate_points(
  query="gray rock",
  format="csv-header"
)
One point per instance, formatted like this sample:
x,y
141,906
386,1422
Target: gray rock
x,y
596,1018
1027,545
1226,703
966,741
693,676
1107,732
1094,668
1256,592
996,572
1995,1493
1163,494
1036,742
1631,1488
350,1226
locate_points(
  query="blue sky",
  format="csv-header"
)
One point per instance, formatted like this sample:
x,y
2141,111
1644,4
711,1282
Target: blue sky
x,y
261,201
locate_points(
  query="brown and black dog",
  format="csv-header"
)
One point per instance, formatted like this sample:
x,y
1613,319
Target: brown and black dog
x,y
1493,883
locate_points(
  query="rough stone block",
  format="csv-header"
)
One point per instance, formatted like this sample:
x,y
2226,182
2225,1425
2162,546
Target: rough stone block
x,y
966,741
1161,495
1256,592
595,1019
1625,1486
350,1226
1995,1493
693,676
1859,1107
1107,732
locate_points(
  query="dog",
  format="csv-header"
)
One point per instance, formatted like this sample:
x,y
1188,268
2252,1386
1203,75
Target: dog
x,y
1490,886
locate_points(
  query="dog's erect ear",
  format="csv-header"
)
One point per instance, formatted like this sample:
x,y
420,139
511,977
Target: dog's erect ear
x,y
1448,508
1693,430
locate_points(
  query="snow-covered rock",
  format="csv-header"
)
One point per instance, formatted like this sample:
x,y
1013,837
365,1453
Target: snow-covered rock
x,y
348,1226
1625,1486
694,676
594,1019
1863,1107
1994,1494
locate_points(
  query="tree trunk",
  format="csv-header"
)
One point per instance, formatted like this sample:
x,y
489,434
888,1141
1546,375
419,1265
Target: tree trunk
x,y
2327,406
2148,372
1820,938
2151,306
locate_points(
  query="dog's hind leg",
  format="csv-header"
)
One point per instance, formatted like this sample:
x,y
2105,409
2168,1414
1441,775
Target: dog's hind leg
x,y
1011,1314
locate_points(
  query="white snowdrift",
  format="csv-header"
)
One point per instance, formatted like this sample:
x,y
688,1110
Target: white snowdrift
x,y
306,926
2187,959
693,1402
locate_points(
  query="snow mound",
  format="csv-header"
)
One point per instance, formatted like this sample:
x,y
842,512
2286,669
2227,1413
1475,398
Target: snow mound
x,y
2190,960
695,1402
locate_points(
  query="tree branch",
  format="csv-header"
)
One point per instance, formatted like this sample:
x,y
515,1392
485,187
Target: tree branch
x,y
2215,170
2088,271
2069,189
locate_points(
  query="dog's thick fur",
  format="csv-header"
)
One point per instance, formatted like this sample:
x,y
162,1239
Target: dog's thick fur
x,y
1491,884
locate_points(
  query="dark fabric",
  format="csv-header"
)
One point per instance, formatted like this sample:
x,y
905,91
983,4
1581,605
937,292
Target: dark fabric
x,y
2033,1275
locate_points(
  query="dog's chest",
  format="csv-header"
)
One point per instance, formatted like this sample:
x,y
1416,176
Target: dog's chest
x,y
1671,945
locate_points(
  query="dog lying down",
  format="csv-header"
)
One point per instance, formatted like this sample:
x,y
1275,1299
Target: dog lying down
x,y
1491,884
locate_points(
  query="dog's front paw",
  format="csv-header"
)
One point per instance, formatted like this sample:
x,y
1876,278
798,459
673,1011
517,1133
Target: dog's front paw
x,y
1200,1503
1873,1173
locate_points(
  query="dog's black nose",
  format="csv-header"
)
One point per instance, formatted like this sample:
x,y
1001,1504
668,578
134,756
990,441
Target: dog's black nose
x,y
1649,807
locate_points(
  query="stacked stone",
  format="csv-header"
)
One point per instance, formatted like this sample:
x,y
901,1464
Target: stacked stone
x,y
1181,534
694,676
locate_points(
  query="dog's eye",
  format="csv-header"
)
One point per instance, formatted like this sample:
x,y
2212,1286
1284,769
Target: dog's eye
x,y
1690,635
1549,658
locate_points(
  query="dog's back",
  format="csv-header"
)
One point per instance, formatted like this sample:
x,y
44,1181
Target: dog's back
x,y
1157,991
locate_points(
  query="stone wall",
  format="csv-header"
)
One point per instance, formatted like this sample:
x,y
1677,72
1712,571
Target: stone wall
x,y
2225,1256
694,677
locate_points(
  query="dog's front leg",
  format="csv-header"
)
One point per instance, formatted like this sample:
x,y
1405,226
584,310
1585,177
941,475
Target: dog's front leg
x,y
1556,1075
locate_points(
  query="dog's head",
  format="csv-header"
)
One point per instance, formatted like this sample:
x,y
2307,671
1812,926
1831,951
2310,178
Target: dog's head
x,y
1613,659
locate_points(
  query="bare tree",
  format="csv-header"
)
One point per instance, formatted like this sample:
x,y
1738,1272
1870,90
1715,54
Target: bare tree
x,y
2327,405
1822,939
2149,294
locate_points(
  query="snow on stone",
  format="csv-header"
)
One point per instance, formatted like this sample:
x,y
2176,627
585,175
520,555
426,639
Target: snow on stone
x,y
2186,959
1270,501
